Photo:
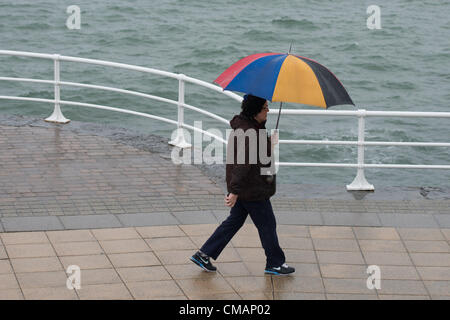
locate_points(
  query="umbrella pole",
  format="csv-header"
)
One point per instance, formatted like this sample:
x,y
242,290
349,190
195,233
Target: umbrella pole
x,y
281,103
279,113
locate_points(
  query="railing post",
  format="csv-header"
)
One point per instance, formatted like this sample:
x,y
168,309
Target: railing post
x,y
57,115
179,140
360,183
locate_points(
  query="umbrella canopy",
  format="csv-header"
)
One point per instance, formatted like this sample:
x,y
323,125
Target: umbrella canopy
x,y
285,78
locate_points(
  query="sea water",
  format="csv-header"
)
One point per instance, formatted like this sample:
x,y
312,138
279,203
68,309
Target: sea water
x,y
402,66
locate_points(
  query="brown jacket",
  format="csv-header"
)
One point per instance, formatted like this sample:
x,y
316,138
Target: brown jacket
x,y
246,179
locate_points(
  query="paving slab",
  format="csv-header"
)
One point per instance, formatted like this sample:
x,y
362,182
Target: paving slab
x,y
343,271
408,220
8,281
256,295
147,219
112,291
420,234
382,233
61,293
214,296
340,257
446,233
196,217
402,297
408,287
47,279
42,264
160,231
11,294
69,236
335,245
124,245
347,286
303,218
115,234
431,259
347,296
351,218
145,290
24,238
78,248
148,273
298,296
30,250
434,273
387,258
300,256
5,267
172,243
382,245
99,261
100,276
390,272
427,246
331,232
443,220
133,259
433,297
438,288
243,284
3,254
90,221
298,284
206,286
31,223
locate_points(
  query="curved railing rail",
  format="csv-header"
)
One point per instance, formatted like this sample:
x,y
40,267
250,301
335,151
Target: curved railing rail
x,y
359,182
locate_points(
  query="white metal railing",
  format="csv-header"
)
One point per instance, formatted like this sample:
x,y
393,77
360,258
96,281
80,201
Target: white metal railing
x,y
58,117
359,182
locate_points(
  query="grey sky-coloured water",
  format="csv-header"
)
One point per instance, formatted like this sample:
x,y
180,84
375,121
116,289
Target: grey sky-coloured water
x,y
404,66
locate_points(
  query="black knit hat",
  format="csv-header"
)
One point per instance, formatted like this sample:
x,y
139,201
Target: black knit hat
x,y
252,105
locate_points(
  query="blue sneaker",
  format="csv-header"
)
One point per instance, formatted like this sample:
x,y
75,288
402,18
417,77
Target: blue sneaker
x,y
202,260
280,271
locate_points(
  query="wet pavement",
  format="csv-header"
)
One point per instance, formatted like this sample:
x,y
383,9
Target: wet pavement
x,y
112,202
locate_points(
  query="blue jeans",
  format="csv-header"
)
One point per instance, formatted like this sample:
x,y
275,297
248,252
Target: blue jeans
x,y
261,213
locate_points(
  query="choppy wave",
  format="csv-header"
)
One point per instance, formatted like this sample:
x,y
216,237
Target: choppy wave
x,y
347,47
304,24
188,66
260,35
207,51
402,85
171,28
125,9
43,94
35,26
115,17
370,66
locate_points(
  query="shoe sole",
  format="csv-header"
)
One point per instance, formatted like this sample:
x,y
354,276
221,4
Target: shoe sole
x,y
201,265
274,273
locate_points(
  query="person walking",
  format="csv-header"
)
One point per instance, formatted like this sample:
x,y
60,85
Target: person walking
x,y
249,191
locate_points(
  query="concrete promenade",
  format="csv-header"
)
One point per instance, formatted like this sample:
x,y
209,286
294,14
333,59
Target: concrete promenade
x,y
81,194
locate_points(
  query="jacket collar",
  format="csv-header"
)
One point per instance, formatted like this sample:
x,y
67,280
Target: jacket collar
x,y
255,123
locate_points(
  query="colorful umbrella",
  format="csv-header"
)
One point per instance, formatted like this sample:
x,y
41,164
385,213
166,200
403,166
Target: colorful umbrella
x,y
285,78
